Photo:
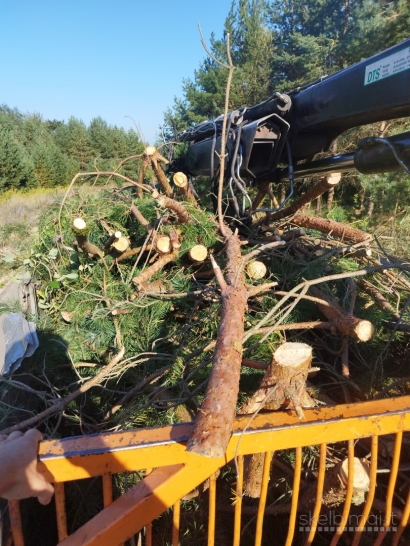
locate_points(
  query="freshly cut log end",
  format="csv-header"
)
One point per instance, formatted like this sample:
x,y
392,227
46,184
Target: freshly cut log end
x,y
256,270
361,479
180,180
79,226
334,178
150,150
163,244
198,253
121,244
364,330
293,355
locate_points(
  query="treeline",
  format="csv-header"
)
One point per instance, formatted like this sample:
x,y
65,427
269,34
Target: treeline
x,y
42,153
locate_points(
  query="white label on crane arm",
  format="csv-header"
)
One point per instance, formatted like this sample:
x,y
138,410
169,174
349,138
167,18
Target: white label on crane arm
x,y
388,66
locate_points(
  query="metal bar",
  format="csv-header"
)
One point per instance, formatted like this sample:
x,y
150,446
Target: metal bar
x,y
212,505
76,458
59,496
334,164
107,489
295,496
262,498
403,522
349,493
143,503
319,495
148,527
370,494
238,502
176,523
15,522
390,489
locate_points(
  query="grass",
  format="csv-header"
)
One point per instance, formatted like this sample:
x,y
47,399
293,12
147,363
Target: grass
x,y
19,215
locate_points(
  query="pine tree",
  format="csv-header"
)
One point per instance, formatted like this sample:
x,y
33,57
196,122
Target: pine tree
x,y
78,143
16,168
43,166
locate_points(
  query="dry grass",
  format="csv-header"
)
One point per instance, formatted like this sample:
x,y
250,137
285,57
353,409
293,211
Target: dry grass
x,y
19,215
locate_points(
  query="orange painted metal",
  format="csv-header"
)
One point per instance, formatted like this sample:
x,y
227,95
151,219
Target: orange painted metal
x,y
238,501
176,523
82,457
319,495
212,505
15,522
295,496
148,527
262,499
349,493
372,490
390,490
59,496
404,521
99,455
143,503
107,489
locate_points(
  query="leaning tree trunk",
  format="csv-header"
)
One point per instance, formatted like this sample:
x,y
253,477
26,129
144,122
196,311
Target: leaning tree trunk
x,y
213,426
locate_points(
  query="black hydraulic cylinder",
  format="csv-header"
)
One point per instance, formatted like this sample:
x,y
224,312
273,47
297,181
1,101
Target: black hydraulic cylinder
x,y
374,155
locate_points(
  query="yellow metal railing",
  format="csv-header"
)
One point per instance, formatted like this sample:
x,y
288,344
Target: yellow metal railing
x,y
169,473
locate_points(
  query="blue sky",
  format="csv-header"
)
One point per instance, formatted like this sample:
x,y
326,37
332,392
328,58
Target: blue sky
x,y
108,58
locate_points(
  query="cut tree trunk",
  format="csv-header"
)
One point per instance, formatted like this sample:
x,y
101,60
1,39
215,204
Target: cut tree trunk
x,y
335,485
163,244
145,275
80,229
119,246
318,189
141,218
198,254
256,270
182,183
378,298
112,238
345,323
284,384
264,188
337,229
178,208
213,426
155,157
141,176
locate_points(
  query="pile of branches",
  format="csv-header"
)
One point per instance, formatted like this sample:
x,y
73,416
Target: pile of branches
x,y
171,317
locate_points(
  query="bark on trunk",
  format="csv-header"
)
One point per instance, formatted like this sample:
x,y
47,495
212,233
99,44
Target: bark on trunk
x,y
141,175
345,323
378,298
321,187
155,157
178,208
337,229
213,425
154,268
284,383
141,218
